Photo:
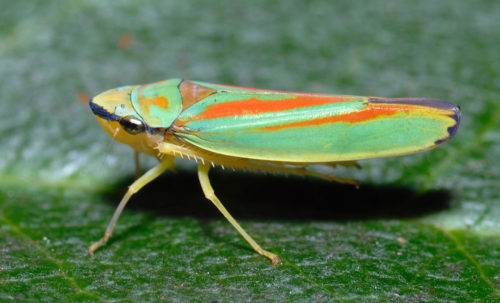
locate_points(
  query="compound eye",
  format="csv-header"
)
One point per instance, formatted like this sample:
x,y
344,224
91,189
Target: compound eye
x,y
132,125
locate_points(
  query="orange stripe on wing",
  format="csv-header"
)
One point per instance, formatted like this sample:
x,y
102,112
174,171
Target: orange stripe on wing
x,y
369,113
257,106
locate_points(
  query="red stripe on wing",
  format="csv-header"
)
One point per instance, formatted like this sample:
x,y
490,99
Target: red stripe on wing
x,y
257,106
369,113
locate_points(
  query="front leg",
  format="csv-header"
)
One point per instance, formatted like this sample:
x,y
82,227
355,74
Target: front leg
x,y
149,176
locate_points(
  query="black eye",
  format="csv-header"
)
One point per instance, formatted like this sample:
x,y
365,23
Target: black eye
x,y
132,125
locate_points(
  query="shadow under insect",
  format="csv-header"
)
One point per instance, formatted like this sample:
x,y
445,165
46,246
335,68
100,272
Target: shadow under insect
x,y
253,196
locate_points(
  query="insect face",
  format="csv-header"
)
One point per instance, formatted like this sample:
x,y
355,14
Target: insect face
x,y
116,114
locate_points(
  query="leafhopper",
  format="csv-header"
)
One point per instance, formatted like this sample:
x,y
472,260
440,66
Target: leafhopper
x,y
263,130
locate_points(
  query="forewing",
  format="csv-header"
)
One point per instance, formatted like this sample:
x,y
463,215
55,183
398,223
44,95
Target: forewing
x,y
292,127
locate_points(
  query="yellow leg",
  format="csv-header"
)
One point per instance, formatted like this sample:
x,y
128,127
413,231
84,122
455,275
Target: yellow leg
x,y
149,176
210,195
331,178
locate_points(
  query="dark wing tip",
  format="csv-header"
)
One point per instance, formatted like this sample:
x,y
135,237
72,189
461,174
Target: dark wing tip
x,y
434,103
457,116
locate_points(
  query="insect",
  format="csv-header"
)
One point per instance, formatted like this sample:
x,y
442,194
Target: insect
x,y
263,130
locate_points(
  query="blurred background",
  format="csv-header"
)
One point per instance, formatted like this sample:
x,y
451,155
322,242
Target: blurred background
x,y
420,228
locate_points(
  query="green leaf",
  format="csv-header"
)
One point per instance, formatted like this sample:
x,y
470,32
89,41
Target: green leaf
x,y
422,228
